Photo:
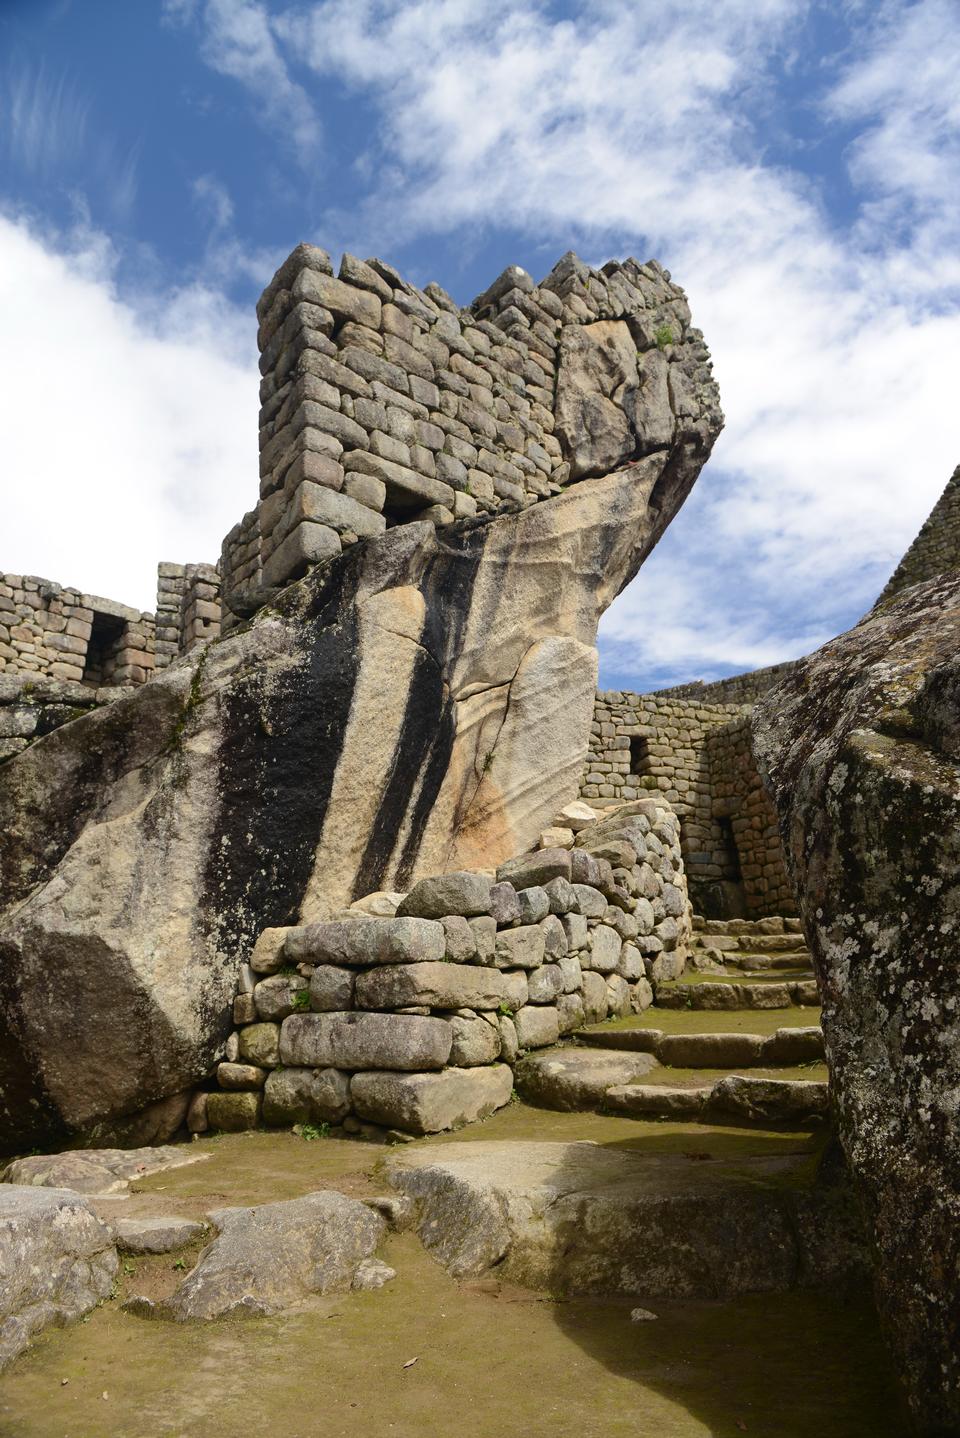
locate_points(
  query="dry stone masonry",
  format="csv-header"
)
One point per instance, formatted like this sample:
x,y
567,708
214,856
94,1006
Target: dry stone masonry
x,y
382,403
188,608
409,1013
51,632
696,752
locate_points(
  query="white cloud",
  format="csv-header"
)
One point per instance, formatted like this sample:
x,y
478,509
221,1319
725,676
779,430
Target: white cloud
x,y
238,41
637,126
130,428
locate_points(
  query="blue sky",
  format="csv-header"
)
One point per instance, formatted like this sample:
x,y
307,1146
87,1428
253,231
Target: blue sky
x,y
796,166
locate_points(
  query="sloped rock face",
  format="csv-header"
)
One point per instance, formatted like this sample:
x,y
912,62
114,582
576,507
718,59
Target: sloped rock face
x,y
417,704
860,749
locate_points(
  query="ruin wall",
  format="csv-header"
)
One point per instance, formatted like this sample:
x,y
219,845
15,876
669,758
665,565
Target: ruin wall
x,y
936,549
382,403
735,688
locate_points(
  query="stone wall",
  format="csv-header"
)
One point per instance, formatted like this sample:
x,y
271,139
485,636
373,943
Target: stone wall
x,y
382,403
735,689
409,1012
936,549
738,795
31,707
188,608
49,631
697,756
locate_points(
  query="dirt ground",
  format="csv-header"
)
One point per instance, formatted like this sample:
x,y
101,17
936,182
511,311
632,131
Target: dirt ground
x,y
430,1357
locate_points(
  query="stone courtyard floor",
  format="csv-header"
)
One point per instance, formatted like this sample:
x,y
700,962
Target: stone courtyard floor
x,y
490,1359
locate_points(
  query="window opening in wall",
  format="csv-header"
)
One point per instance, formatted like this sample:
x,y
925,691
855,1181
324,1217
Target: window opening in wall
x,y
106,639
732,865
639,755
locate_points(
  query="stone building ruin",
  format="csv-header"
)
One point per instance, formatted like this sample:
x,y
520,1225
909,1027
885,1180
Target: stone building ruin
x,y
344,835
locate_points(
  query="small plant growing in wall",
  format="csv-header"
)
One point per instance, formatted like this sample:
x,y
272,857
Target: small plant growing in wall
x,y
301,1001
311,1131
505,1011
663,336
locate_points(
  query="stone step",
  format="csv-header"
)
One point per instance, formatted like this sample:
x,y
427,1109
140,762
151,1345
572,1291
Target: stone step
x,y
791,1045
757,963
713,995
734,1098
752,943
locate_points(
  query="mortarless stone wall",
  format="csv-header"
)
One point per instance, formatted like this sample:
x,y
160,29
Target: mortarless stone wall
x,y
50,631
382,403
188,608
936,549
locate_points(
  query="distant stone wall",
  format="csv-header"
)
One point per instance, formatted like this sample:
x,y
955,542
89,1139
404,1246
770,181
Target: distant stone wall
x,y
32,706
412,1017
936,549
382,403
49,631
643,742
735,689
737,794
188,608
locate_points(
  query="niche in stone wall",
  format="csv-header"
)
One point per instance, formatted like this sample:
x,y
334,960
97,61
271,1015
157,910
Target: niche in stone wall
x,y
639,755
107,637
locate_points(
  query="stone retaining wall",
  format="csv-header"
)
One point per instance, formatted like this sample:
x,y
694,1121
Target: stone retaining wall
x,y
735,689
382,403
697,755
188,608
33,706
60,633
936,549
409,1012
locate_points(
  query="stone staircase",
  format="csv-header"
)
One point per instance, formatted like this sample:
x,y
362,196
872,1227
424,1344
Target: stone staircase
x,y
736,1039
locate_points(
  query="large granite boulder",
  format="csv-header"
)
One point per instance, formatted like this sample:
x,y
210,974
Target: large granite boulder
x,y
860,747
57,1261
418,704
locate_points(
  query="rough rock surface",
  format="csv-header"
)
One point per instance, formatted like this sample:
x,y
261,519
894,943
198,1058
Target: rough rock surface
x,y
97,1171
431,1102
582,1218
417,704
57,1261
268,1258
860,749
155,1235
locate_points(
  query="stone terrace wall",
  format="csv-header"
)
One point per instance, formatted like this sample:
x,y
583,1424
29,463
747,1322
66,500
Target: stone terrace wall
x,y
936,549
383,403
413,1020
188,608
735,689
643,742
53,632
737,793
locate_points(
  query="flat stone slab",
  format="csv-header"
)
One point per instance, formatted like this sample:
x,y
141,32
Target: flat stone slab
x,y
431,1102
570,1079
97,1171
580,1218
156,1235
712,1049
740,1098
57,1261
270,1257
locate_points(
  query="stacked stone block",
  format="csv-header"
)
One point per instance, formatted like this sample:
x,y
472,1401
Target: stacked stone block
x,y
738,793
698,756
735,689
188,608
413,1020
382,403
51,631
32,706
936,549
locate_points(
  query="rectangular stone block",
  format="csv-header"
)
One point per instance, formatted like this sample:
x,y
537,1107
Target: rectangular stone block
x,y
437,985
406,489
431,1102
361,942
365,1041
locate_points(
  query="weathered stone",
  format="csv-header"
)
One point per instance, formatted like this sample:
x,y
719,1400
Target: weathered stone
x,y
536,1027
156,1235
97,1171
359,942
57,1261
858,746
604,949
536,869
770,1100
302,1095
544,985
233,1112
505,905
583,1218
570,1013
331,989
554,937
706,1050
461,941
589,901
577,1078
475,1041
365,1041
521,948
267,1258
276,997
240,1076
594,997
438,986
430,1103
534,904
460,893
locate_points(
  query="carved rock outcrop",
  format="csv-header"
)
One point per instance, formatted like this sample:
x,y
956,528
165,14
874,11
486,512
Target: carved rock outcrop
x,y
860,750
416,704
